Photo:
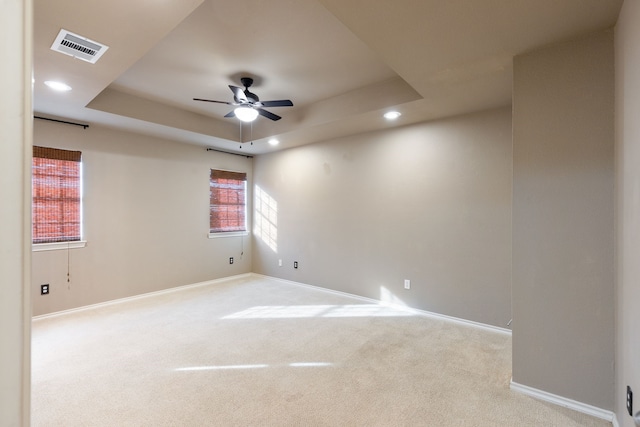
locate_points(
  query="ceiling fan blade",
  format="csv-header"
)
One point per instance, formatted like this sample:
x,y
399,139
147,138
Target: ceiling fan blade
x,y
231,113
238,93
210,100
268,114
278,103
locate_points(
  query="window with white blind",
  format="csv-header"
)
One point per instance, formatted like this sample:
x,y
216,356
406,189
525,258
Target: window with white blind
x,y
227,203
56,192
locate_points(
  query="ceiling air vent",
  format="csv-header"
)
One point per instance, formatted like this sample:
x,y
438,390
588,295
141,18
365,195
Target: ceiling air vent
x,y
78,46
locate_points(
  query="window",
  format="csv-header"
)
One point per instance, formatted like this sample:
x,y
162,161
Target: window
x,y
227,202
56,211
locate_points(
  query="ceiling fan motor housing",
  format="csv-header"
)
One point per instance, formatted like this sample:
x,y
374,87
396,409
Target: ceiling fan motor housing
x,y
247,82
251,96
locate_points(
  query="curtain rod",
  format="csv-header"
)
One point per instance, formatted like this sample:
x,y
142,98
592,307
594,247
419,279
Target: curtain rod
x,y
62,121
230,152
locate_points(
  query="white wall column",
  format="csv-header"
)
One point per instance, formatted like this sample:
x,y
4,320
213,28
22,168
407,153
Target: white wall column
x,y
627,53
15,210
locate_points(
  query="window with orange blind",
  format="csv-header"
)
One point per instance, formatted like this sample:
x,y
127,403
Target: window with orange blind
x,y
56,193
227,201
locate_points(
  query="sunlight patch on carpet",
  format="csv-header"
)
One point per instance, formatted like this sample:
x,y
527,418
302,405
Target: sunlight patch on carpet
x,y
256,366
220,368
306,311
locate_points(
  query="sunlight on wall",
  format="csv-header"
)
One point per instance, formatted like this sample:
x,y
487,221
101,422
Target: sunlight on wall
x,y
266,218
306,311
387,297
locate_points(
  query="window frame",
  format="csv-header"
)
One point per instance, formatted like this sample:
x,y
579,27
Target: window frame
x,y
239,176
57,154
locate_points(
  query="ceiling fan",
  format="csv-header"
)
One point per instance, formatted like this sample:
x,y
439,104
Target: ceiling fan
x,y
248,104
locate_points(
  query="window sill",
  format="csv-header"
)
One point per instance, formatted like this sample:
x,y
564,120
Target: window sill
x,y
38,247
228,234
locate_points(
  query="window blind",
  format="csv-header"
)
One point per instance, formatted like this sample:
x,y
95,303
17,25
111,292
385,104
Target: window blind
x,y
227,206
56,211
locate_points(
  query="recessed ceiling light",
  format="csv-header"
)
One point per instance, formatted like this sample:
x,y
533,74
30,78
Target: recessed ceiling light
x,y
274,141
59,86
392,115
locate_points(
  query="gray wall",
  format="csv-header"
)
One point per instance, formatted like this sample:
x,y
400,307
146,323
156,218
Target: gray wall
x,y
563,220
428,202
145,218
628,208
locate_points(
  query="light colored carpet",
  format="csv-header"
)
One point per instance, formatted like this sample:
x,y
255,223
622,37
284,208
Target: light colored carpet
x,y
260,352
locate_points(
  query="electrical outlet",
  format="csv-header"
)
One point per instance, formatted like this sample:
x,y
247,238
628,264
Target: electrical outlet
x,y
407,284
279,263
44,289
230,260
295,264
629,401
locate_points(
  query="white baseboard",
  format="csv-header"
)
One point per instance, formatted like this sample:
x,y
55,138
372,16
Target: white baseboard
x,y
136,297
565,402
615,421
416,311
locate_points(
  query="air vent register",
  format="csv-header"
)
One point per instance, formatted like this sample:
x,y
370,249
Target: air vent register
x,y
79,47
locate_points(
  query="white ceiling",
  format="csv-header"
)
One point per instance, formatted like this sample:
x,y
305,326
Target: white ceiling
x,y
342,62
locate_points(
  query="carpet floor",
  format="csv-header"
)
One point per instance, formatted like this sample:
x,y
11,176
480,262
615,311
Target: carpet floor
x,y
255,351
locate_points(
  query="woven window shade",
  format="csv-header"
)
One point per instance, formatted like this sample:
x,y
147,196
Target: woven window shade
x,y
227,201
56,195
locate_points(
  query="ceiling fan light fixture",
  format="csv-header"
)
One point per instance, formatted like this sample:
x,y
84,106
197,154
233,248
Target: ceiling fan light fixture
x,y
246,114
